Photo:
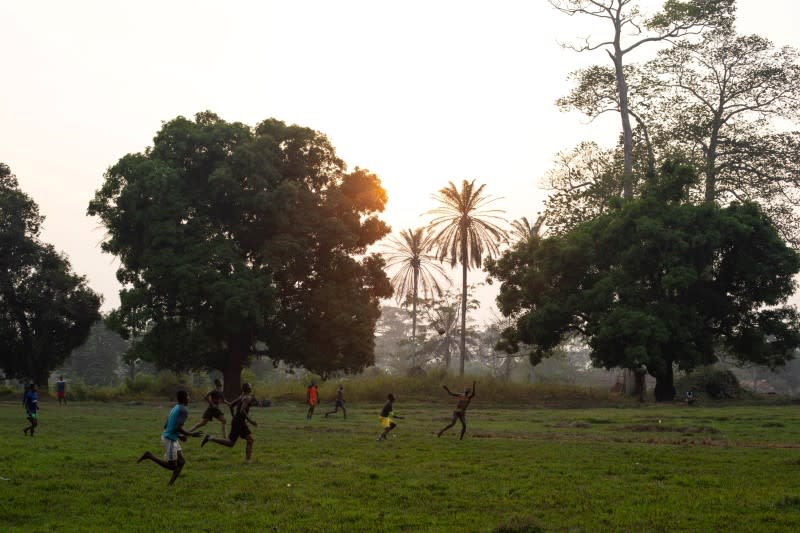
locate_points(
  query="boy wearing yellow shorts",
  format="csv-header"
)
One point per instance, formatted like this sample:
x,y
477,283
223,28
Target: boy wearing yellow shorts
x,y
387,417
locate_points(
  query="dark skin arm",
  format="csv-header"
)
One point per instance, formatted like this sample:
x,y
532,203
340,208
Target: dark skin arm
x,y
448,391
246,410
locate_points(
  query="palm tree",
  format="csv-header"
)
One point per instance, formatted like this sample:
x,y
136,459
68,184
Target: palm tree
x,y
463,232
417,271
522,230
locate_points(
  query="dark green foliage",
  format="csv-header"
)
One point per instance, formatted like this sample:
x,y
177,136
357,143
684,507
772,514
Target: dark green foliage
x,y
657,282
238,241
715,382
45,309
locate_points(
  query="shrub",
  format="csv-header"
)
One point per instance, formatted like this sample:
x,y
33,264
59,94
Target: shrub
x,y
713,381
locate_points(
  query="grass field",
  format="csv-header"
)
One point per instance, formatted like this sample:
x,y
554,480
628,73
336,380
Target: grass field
x,y
650,468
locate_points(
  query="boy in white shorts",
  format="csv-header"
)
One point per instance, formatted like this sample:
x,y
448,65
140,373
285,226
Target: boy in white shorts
x,y
173,433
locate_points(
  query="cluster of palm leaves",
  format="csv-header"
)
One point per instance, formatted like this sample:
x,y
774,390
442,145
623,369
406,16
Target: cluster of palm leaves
x,y
464,229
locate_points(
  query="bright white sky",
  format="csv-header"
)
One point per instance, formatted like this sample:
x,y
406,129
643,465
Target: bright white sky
x,y
419,92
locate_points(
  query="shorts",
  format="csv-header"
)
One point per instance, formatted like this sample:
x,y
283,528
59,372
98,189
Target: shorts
x,y
386,422
171,448
239,428
33,416
339,403
60,395
213,412
459,414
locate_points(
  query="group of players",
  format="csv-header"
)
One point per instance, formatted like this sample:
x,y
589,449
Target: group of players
x,y
174,432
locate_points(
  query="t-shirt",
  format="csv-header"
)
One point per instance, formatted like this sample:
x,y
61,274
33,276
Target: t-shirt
x,y
177,417
61,386
312,395
387,409
31,401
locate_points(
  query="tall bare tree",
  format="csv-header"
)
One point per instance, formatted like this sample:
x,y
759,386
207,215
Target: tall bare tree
x,y
464,231
632,29
417,271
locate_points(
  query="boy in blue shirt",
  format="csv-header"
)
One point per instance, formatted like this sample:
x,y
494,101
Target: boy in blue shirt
x,y
173,432
31,403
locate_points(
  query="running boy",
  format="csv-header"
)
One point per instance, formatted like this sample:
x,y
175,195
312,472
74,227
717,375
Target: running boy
x,y
312,398
61,390
387,417
31,403
214,398
173,431
239,423
460,413
339,402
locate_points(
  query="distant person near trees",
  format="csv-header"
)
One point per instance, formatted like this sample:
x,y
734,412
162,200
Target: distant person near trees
x,y
61,390
240,408
338,402
214,398
460,413
173,432
387,417
312,398
31,403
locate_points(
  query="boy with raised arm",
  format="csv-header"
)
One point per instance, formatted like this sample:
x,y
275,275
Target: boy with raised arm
x,y
461,409
240,407
173,432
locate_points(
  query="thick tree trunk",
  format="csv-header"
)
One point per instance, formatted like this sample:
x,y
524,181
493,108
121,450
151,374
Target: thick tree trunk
x,y
232,373
665,387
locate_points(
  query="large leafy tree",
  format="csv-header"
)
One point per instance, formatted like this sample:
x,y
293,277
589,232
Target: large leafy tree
x,y
45,309
416,271
630,29
658,282
237,241
464,231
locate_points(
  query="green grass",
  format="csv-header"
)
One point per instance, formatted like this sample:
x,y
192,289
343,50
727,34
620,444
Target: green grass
x,y
648,468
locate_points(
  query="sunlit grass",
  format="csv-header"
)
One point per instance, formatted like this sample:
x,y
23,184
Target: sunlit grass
x,y
613,469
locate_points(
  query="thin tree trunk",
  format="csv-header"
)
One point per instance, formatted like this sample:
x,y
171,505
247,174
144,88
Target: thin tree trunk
x,y
711,162
627,132
414,320
463,344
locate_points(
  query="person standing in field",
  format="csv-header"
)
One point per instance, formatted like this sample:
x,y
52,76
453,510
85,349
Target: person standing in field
x,y
214,398
387,417
312,399
31,402
61,390
460,413
239,427
173,432
339,402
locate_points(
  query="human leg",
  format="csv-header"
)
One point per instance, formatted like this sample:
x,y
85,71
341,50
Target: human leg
x,y
463,420
176,470
448,426
248,451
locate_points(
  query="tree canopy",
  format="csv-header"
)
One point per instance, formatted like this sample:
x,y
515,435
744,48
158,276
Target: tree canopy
x,y
240,241
656,282
46,310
